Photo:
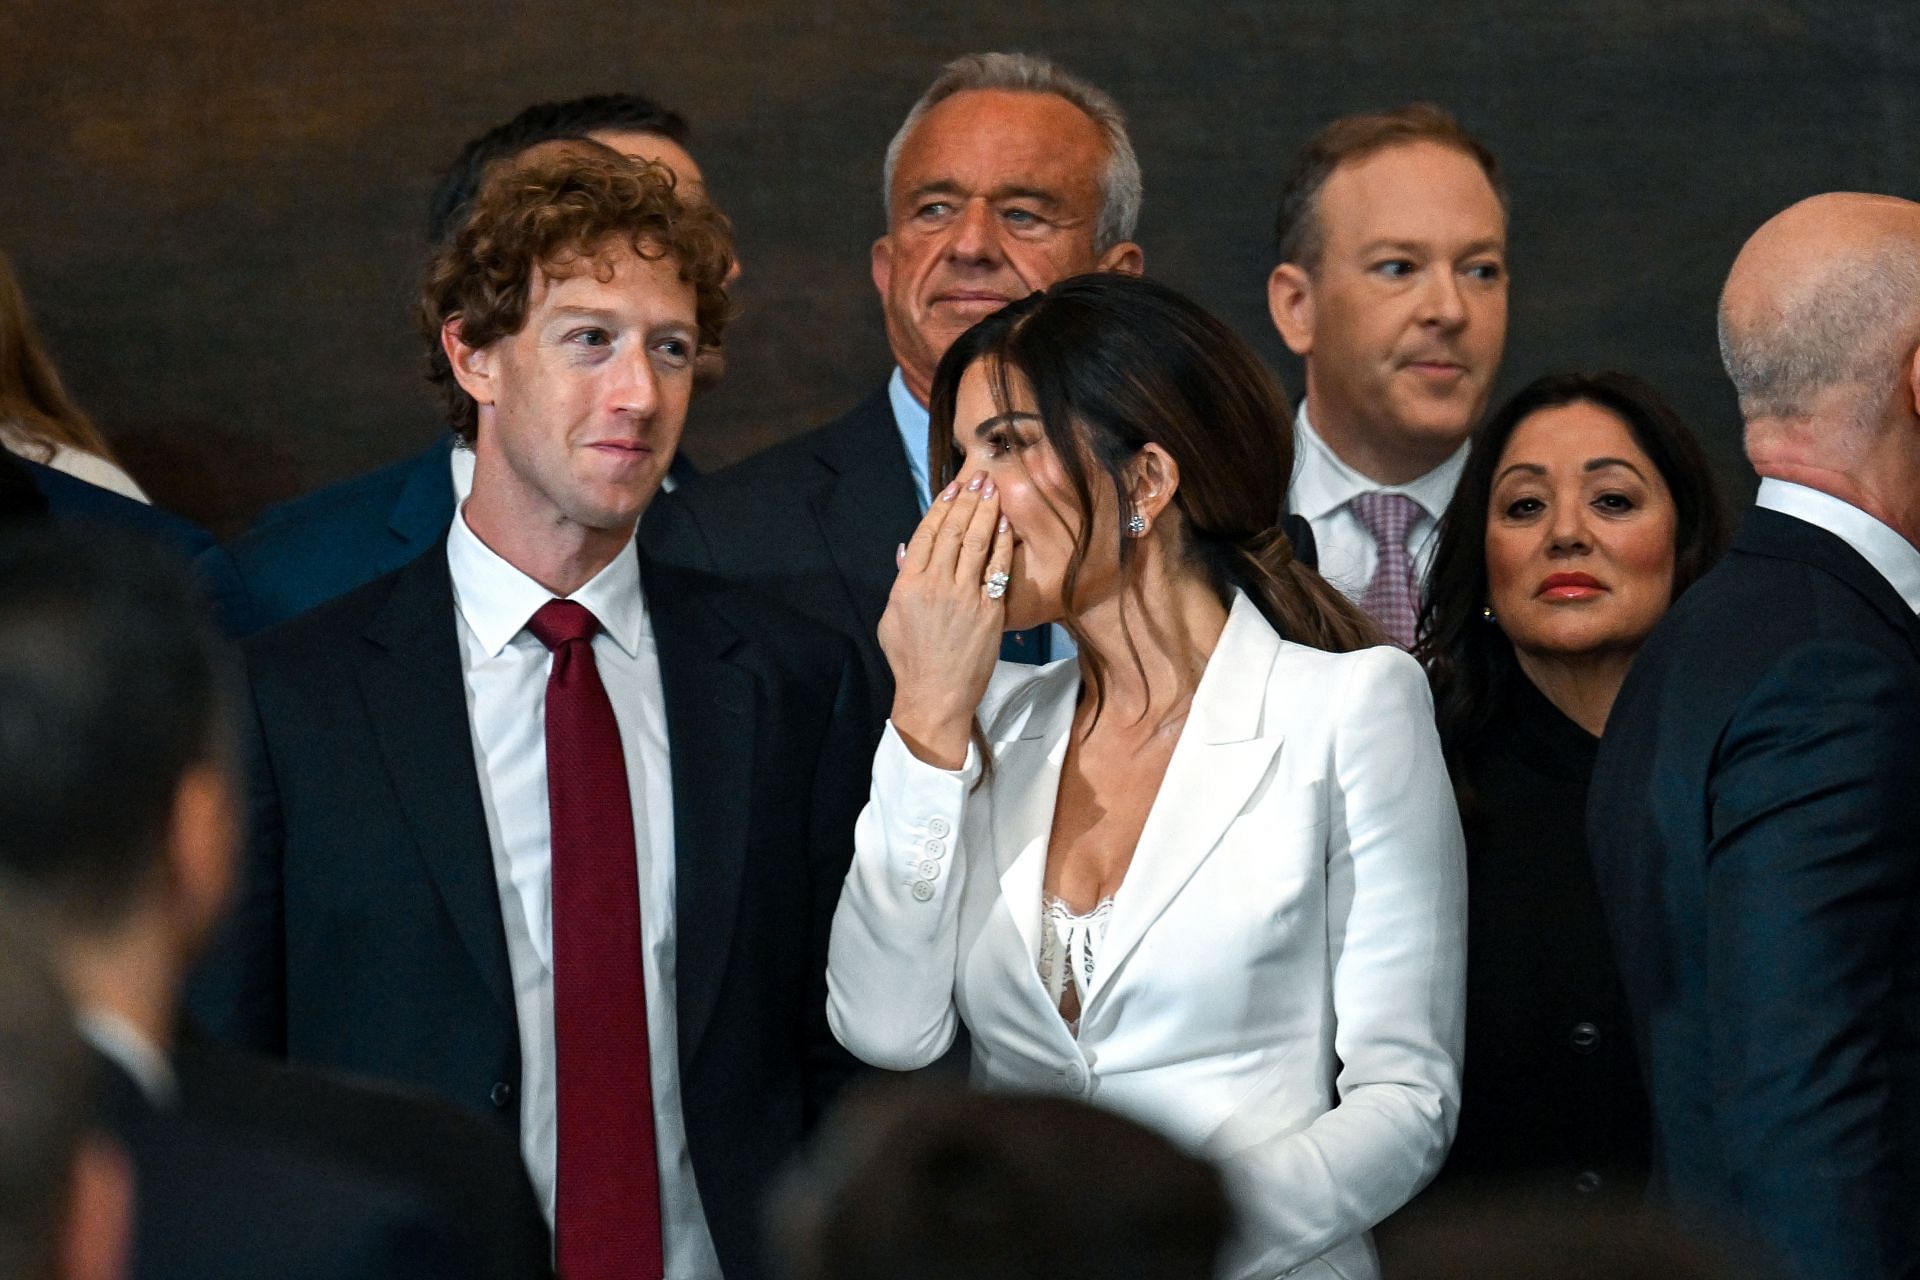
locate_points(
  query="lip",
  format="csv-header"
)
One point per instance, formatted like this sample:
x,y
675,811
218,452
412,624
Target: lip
x,y
971,298
626,449
1570,586
1436,369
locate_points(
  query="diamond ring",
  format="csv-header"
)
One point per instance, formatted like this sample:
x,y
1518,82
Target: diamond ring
x,y
996,584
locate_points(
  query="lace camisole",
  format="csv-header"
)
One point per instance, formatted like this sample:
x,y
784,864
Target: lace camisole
x,y
1069,951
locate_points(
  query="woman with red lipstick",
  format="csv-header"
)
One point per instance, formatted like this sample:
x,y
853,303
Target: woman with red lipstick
x,y
1586,506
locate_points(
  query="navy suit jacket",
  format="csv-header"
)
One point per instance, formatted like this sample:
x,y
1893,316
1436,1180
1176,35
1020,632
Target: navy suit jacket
x,y
318,547
1754,823
78,504
368,934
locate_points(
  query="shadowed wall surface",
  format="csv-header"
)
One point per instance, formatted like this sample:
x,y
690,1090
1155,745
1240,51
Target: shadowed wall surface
x,y
216,210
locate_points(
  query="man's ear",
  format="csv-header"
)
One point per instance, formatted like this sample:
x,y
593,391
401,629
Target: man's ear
x,y
1125,257
882,265
1153,477
1913,382
96,1239
1290,303
472,366
203,847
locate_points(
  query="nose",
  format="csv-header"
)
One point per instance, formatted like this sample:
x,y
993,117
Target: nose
x,y
976,235
637,389
1567,531
1443,305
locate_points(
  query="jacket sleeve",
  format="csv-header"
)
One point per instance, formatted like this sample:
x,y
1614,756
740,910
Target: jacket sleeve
x,y
1812,866
1396,939
896,933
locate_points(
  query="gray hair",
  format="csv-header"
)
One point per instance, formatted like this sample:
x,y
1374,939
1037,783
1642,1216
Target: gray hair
x,y
1848,329
1120,187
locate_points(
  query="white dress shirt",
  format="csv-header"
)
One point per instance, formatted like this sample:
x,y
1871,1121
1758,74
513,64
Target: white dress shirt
x,y
78,463
1322,487
1896,559
120,1042
506,672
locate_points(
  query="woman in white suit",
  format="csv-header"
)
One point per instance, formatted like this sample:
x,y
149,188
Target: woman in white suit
x,y
1208,874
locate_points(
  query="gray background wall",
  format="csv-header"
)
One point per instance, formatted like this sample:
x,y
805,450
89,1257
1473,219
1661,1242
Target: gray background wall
x,y
216,209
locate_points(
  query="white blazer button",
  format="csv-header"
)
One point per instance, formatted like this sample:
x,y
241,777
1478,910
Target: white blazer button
x,y
934,848
930,869
938,827
922,891
1076,1077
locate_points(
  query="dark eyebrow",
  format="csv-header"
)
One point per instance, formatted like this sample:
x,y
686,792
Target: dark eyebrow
x,y
1531,468
1601,464
1003,419
1416,247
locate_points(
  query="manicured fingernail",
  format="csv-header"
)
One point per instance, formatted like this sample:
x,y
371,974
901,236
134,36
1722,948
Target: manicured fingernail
x,y
1004,526
978,478
950,492
987,490
900,553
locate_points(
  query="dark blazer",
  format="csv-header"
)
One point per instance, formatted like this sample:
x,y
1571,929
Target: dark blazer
x,y
77,504
814,522
1753,824
216,1203
319,546
369,934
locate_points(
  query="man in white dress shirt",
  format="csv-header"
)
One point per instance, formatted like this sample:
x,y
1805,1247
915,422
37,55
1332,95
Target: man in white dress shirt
x,y
1392,287
545,827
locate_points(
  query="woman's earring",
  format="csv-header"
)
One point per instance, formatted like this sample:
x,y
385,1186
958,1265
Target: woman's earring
x,y
1486,613
1136,525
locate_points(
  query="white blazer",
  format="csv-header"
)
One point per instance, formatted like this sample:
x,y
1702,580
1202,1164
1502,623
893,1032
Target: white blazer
x,y
1280,987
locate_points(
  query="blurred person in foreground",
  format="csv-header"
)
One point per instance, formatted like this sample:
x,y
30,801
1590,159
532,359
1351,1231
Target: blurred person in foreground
x,y
1755,812
66,1192
119,824
924,1183
1111,870
1585,509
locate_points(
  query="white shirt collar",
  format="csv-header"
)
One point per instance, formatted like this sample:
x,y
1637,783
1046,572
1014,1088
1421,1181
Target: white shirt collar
x,y
1896,559
460,461
1323,483
497,599
116,1039
912,420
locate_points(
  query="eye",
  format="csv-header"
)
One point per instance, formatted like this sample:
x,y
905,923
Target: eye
x,y
1522,508
590,337
1395,268
676,350
1615,504
1487,272
1022,217
933,209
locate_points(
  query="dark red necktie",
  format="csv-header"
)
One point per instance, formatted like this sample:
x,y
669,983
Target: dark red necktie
x,y
607,1210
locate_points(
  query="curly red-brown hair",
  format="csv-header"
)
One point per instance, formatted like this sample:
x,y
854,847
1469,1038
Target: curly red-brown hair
x,y
558,214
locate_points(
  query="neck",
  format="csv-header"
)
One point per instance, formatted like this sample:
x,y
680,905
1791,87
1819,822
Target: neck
x,y
134,972
1896,506
1173,620
556,553
919,383
1582,688
1384,456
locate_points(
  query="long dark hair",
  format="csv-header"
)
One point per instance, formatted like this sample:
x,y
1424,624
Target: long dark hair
x,y
1469,660
1117,362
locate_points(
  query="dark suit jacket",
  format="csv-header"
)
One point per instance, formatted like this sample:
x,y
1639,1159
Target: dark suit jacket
x,y
1755,829
814,522
216,1203
369,932
77,504
318,547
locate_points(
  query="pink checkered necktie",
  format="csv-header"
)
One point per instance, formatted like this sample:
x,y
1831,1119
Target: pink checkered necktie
x,y
1392,597
607,1200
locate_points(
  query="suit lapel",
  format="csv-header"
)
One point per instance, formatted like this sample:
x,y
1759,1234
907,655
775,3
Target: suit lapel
x,y
711,731
1225,750
870,507
1026,788
411,676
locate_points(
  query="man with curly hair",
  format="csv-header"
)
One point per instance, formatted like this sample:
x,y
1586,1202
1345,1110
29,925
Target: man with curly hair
x,y
544,827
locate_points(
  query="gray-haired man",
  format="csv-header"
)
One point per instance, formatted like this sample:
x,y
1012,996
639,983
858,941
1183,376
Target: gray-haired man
x,y
1008,175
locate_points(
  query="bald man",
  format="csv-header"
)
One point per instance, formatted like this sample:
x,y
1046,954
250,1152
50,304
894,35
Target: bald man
x,y
1755,812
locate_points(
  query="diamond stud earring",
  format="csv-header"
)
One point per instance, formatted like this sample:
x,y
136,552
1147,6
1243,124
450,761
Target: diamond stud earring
x,y
1136,525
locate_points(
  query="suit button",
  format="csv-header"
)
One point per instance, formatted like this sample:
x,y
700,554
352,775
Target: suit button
x,y
1076,1077
501,1094
930,870
935,849
1585,1037
938,827
922,891
1587,1183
